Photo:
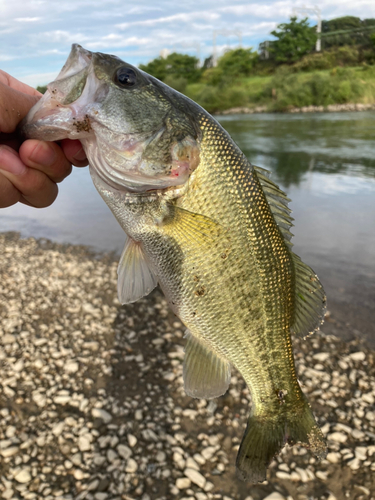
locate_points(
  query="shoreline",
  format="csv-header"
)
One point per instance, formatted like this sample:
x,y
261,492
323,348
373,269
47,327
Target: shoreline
x,y
331,108
93,407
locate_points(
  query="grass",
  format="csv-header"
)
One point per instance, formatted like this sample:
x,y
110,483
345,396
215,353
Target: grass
x,y
287,89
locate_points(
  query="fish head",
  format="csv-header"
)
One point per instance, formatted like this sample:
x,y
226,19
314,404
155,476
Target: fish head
x,y
136,133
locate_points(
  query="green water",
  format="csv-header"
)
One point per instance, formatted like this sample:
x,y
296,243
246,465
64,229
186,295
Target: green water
x,y
326,164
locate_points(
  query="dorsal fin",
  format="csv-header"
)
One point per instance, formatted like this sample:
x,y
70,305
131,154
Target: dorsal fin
x,y
278,202
310,298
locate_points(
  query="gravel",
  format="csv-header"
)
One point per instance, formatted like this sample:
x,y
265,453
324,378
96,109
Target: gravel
x,y
92,404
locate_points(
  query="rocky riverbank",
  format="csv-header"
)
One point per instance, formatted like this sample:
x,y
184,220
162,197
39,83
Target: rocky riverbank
x,y
92,405
331,108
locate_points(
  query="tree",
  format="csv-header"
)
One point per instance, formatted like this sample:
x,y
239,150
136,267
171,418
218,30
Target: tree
x,y
174,65
294,40
232,64
238,62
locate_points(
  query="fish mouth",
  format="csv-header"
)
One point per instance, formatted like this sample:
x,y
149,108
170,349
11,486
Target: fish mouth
x,y
60,113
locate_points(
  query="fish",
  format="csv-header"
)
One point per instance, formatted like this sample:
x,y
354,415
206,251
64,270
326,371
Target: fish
x,y
207,226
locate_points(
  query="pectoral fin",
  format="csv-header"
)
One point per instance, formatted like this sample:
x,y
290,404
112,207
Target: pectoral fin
x,y
135,278
206,375
184,225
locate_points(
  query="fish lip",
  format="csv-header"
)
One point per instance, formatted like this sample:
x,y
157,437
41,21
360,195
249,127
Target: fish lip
x,y
41,121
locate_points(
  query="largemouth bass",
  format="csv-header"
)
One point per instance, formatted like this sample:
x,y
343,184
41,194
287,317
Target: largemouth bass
x,y
209,227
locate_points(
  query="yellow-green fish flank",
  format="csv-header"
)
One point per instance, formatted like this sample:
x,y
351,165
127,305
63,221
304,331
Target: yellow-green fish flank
x,y
208,227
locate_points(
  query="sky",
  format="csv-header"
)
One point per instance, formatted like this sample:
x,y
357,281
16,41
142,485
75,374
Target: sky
x,y
36,35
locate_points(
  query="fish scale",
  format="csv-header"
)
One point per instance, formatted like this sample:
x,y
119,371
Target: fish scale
x,y
266,248
206,225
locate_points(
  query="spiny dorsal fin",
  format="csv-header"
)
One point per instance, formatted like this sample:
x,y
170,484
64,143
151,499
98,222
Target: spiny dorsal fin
x,y
135,279
310,296
278,202
310,300
206,375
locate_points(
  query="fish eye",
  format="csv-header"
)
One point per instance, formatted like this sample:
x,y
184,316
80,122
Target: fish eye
x,y
126,77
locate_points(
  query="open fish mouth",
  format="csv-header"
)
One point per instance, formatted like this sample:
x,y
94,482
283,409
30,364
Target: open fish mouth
x,y
58,114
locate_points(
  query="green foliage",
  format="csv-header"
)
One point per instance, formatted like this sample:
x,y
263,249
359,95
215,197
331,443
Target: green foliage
x,y
215,99
317,89
294,40
233,64
347,30
176,82
328,59
341,23
238,62
41,88
175,65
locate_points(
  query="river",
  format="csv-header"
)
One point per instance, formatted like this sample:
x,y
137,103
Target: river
x,y
326,164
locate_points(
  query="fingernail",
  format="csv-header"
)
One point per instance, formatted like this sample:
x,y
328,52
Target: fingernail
x,y
80,156
10,161
43,154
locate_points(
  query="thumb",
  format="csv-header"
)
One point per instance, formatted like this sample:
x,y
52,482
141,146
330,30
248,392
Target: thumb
x,y
14,106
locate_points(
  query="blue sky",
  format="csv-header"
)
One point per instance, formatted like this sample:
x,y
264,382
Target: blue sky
x,y
36,35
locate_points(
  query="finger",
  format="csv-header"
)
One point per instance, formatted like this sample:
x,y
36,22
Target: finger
x,y
47,157
14,106
73,150
13,83
36,187
9,195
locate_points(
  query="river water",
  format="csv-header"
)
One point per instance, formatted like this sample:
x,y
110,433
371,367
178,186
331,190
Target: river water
x,y
326,164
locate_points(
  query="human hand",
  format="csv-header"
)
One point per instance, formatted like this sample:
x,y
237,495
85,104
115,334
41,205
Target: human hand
x,y
30,170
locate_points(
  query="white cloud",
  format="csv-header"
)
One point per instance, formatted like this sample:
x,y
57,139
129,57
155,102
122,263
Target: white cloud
x,y
27,19
183,17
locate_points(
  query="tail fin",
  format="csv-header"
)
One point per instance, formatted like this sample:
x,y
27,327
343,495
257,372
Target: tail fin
x,y
266,436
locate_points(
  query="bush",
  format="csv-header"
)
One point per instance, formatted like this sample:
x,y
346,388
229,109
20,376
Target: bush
x,y
177,83
215,99
338,56
341,86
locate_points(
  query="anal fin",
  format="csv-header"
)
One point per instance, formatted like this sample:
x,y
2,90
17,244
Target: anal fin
x,y
206,375
135,278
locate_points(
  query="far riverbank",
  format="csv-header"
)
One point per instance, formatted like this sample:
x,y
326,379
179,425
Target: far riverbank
x,y
331,108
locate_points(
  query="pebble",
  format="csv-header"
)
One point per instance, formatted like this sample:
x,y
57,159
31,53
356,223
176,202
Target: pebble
x,y
8,338
357,356
354,464
9,452
183,483
23,476
195,477
333,457
131,465
321,475
132,440
282,475
124,451
102,414
58,429
361,452
274,496
71,367
84,443
339,437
